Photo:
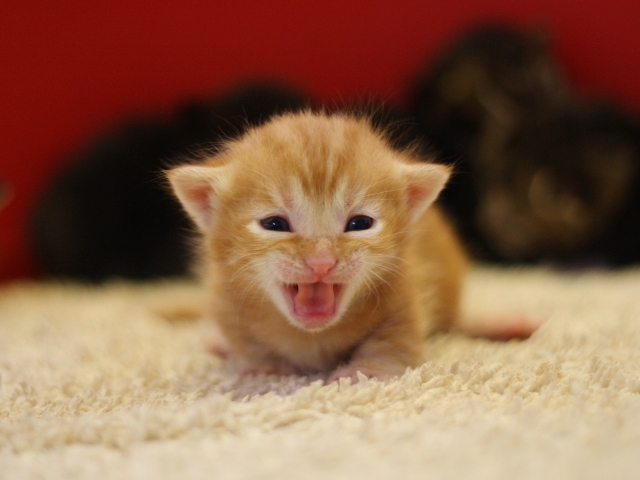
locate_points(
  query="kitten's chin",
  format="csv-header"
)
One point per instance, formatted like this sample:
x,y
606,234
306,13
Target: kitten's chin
x,y
313,306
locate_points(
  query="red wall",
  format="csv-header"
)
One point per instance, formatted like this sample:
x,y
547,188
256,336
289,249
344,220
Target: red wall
x,y
70,68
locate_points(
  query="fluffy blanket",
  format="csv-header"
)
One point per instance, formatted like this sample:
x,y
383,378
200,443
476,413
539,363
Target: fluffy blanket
x,y
95,382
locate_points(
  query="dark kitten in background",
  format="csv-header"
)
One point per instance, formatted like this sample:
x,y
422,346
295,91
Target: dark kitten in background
x,y
492,72
108,214
541,174
562,185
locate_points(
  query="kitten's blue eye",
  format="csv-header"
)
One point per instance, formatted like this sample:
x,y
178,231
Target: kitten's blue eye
x,y
359,222
275,224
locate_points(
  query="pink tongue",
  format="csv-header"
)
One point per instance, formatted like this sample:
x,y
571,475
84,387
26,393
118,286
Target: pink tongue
x,y
314,299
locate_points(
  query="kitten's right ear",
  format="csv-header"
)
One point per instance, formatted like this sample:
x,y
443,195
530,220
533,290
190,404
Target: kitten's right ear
x,y
197,188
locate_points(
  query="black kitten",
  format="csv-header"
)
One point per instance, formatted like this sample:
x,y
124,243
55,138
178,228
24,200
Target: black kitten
x,y
107,214
541,176
494,71
561,184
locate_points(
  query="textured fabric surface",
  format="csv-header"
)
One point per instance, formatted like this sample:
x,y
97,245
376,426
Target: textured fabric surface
x,y
96,383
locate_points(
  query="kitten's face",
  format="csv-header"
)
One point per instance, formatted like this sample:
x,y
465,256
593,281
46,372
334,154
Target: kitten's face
x,y
311,211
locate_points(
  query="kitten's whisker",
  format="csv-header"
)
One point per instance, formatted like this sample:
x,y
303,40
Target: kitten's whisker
x,y
380,277
246,267
390,262
249,289
375,308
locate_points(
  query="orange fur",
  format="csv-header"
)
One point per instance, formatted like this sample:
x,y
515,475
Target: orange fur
x,y
319,298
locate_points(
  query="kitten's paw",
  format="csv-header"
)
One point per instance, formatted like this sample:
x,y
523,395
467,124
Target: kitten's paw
x,y
345,372
356,374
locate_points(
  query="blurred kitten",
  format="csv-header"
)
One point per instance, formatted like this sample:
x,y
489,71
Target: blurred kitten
x,y
541,174
561,184
106,213
491,73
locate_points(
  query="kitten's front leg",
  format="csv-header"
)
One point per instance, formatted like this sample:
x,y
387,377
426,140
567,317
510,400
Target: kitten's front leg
x,y
386,353
379,369
248,358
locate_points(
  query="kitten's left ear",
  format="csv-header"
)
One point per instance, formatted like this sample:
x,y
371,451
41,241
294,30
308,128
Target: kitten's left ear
x,y
425,181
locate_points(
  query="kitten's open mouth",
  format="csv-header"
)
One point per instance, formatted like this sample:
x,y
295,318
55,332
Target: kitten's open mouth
x,y
313,305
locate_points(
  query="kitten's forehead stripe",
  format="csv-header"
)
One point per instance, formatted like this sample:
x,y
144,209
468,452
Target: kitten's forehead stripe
x,y
318,153
327,168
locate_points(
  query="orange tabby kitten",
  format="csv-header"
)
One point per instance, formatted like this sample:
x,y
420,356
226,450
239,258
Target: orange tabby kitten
x,y
321,247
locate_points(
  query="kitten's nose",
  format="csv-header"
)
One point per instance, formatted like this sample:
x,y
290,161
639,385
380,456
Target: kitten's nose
x,y
321,264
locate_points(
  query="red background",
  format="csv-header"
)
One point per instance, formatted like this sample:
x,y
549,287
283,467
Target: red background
x,y
71,68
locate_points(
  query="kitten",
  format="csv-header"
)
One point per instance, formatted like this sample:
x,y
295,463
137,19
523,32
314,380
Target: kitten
x,y
561,184
321,247
491,73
